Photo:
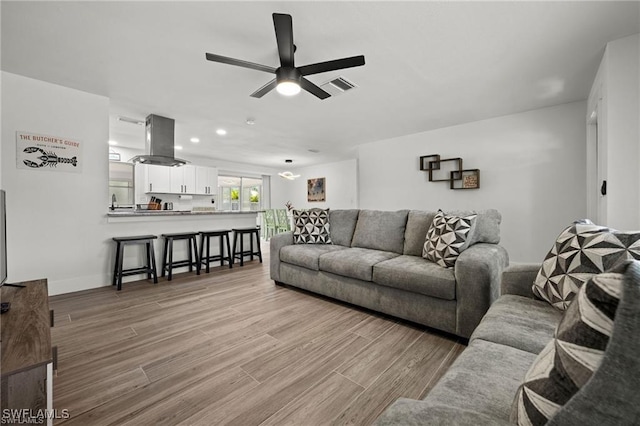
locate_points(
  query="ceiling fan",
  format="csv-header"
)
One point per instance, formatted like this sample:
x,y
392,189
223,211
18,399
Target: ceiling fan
x,y
289,78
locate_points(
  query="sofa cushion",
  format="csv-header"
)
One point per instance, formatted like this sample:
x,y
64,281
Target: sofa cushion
x,y
307,255
417,275
343,224
354,262
576,351
581,251
487,225
483,379
520,322
380,230
418,223
311,226
447,237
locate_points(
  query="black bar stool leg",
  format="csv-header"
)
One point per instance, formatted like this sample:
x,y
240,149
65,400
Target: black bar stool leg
x,y
190,251
241,250
221,248
148,256
195,248
258,244
235,240
170,259
229,254
165,252
115,265
251,245
154,273
120,256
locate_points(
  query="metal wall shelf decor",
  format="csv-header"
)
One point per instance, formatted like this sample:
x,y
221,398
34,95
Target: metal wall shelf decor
x,y
450,170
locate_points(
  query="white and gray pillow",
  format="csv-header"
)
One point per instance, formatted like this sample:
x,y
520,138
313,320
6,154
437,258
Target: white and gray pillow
x,y
311,226
447,237
580,252
569,360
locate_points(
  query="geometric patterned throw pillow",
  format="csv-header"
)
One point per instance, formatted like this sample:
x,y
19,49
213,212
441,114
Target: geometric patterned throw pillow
x,y
580,252
574,354
447,237
311,226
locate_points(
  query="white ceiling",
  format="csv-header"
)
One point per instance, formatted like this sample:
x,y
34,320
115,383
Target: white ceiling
x,y
428,65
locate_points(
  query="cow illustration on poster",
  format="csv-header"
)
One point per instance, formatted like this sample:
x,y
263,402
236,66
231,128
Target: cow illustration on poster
x,y
43,152
316,189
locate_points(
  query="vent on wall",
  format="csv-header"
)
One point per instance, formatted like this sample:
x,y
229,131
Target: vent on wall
x,y
338,86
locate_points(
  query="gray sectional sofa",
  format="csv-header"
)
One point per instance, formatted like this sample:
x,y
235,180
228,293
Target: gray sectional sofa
x,y
480,387
375,262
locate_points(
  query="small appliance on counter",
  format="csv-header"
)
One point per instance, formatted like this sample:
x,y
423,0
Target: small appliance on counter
x,y
153,204
168,206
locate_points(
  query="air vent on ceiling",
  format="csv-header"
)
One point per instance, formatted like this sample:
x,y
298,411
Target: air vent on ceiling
x,y
337,86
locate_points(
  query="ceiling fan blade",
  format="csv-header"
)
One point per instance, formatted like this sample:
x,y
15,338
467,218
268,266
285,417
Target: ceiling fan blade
x,y
265,89
313,89
239,63
284,37
338,64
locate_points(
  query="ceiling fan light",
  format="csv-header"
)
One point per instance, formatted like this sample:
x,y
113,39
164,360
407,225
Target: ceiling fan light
x,y
288,88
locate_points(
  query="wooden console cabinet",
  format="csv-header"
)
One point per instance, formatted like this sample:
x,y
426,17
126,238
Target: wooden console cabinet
x,y
26,362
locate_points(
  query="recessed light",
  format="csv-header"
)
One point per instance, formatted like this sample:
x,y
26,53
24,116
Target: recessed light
x,y
178,147
195,140
221,132
113,143
251,121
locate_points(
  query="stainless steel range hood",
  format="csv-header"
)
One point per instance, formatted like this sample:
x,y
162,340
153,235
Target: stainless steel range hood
x,y
159,142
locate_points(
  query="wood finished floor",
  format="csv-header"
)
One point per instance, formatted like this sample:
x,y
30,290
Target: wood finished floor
x,y
230,347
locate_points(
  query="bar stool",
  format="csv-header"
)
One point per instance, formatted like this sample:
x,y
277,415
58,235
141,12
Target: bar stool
x,y
149,268
205,242
253,232
167,257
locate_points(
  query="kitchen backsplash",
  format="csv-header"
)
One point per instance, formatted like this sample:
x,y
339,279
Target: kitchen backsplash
x,y
182,202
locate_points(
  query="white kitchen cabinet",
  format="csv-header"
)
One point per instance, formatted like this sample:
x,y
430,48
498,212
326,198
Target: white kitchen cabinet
x,y
183,180
157,178
198,180
206,180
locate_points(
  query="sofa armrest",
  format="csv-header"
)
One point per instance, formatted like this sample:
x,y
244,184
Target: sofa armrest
x,y
611,396
518,279
275,244
477,270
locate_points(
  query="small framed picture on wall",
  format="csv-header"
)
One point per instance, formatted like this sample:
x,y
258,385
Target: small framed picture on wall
x,y
316,189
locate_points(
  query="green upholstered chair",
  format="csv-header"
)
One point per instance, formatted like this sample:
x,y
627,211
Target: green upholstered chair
x,y
282,221
269,223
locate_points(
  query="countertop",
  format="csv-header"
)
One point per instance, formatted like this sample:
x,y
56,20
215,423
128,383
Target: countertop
x,y
140,213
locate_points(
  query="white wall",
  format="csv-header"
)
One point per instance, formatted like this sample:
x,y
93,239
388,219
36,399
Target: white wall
x,y
623,133
55,220
532,169
341,186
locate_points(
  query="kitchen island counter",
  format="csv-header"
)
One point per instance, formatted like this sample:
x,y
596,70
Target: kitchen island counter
x,y
139,213
159,222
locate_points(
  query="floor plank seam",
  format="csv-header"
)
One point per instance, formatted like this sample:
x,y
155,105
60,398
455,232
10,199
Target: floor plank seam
x,y
351,380
145,374
248,374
